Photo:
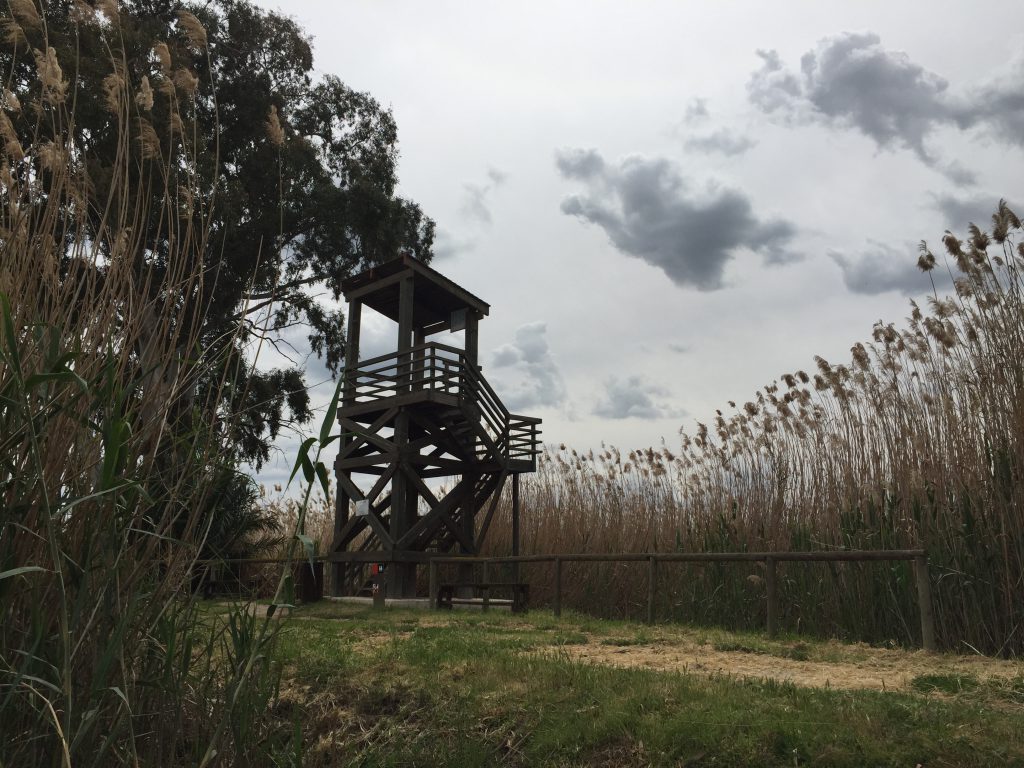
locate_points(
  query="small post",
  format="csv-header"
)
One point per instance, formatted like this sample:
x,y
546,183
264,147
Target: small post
x,y
485,586
433,569
652,585
924,599
515,525
558,587
769,580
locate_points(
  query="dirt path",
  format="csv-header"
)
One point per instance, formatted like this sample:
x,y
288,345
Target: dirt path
x,y
875,669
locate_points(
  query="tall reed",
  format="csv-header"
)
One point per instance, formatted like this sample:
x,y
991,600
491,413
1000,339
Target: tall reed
x,y
113,440
917,441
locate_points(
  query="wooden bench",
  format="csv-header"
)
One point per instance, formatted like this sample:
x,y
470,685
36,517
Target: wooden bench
x,y
482,591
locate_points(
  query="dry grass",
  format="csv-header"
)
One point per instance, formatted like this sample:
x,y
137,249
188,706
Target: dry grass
x,y
112,432
918,441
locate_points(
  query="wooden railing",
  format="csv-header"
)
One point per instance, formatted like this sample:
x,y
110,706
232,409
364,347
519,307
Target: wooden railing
x,y
439,368
918,556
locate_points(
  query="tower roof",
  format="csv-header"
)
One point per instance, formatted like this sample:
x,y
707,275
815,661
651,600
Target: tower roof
x,y
435,297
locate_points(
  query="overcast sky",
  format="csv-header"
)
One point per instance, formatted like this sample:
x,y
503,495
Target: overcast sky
x,y
668,205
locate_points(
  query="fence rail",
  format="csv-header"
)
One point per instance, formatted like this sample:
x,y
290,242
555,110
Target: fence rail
x,y
917,556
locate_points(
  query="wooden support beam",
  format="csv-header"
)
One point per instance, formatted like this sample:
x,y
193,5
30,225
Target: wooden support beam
x,y
924,600
355,315
387,447
436,516
495,498
381,482
558,587
362,462
406,309
360,435
771,597
652,588
374,521
341,510
376,285
472,337
434,583
350,489
515,525
349,531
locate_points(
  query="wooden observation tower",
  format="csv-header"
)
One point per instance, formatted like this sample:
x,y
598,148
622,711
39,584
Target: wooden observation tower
x,y
410,417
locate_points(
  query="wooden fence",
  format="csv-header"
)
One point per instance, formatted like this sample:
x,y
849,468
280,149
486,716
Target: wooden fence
x,y
770,559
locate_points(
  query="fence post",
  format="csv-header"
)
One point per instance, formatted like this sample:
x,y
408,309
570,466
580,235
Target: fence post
x,y
433,589
558,587
486,587
769,580
652,584
924,600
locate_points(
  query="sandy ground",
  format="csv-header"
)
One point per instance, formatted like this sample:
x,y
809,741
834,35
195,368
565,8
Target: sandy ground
x,y
879,669
860,666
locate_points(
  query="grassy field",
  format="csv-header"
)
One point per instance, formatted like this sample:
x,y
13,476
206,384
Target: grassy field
x,y
468,689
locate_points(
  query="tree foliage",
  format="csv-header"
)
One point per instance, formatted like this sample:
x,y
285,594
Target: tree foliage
x,y
300,172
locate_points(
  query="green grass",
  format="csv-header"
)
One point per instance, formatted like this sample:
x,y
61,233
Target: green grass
x,y
400,688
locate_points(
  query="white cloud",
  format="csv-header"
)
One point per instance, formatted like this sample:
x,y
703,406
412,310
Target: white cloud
x,y
527,375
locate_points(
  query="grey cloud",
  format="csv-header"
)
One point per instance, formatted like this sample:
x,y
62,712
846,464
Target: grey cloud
x,y
647,210
475,202
447,246
882,268
958,212
635,398
505,356
999,104
528,376
723,140
696,110
376,339
852,80
679,349
772,87
579,163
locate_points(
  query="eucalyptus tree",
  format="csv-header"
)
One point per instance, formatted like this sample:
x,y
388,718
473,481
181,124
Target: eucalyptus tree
x,y
290,182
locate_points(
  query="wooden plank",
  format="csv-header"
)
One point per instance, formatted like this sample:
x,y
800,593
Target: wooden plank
x,y
411,398
429,523
380,556
558,587
495,496
432,589
376,285
349,531
515,524
451,466
378,528
771,597
360,434
362,462
472,338
381,482
924,600
355,315
386,446
703,557
486,587
652,586
348,487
